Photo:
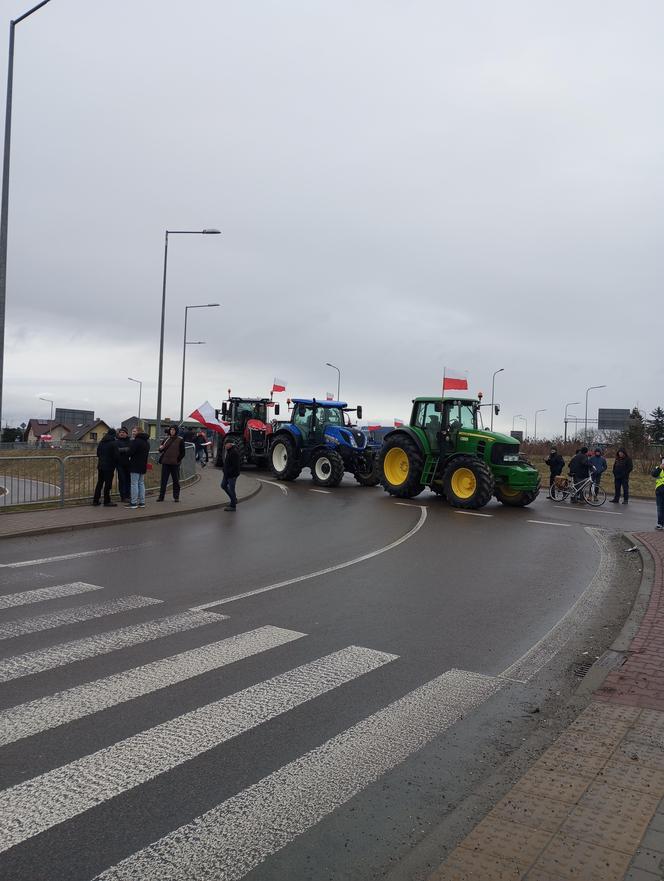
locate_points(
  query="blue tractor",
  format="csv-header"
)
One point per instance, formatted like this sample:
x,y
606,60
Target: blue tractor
x,y
321,437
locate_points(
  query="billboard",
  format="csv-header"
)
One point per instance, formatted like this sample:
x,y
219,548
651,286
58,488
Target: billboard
x,y
612,420
518,435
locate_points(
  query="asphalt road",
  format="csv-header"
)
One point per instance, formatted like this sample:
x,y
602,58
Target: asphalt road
x,y
346,672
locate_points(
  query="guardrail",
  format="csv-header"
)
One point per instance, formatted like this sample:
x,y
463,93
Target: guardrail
x,y
53,480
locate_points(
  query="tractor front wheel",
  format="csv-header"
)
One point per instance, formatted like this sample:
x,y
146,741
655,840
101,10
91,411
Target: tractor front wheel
x,y
468,483
284,460
327,468
367,473
400,466
515,498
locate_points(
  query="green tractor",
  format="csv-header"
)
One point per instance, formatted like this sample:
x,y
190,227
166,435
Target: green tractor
x,y
443,448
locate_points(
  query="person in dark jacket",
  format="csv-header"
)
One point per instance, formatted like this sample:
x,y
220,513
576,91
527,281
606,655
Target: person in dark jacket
x,y
231,473
598,466
124,480
172,453
579,470
658,473
556,464
139,450
199,447
622,468
107,460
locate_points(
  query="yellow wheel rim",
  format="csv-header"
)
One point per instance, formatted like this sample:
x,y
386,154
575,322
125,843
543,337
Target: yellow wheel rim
x,y
464,483
396,466
509,492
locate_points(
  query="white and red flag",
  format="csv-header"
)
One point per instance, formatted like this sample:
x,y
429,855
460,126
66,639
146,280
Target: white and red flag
x,y
279,385
205,415
329,396
398,423
454,380
373,427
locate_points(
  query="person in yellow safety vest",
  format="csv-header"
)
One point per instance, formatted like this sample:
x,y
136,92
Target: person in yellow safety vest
x,y
658,473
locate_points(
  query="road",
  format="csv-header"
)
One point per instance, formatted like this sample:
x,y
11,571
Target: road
x,y
311,688
22,490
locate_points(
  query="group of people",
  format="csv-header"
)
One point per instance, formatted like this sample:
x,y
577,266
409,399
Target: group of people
x,y
592,464
118,453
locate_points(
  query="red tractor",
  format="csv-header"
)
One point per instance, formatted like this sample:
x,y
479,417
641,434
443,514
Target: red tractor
x,y
250,429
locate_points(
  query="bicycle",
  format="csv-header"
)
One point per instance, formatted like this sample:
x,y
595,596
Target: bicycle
x,y
564,487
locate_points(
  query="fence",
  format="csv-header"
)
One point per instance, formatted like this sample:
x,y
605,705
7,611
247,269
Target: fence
x,y
56,480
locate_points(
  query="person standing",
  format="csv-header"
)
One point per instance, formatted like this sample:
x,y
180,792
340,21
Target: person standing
x,y
231,473
124,480
139,451
598,466
199,441
107,460
172,453
578,469
556,464
658,473
622,468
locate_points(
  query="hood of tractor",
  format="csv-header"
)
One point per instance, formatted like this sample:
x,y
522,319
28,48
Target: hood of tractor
x,y
344,436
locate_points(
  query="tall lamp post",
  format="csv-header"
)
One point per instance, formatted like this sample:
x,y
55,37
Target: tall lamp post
x,y
327,364
140,393
48,401
585,430
4,203
493,385
571,404
535,430
185,344
180,232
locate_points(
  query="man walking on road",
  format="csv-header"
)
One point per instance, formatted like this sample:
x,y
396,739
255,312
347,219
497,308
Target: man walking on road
x,y
556,464
231,473
107,460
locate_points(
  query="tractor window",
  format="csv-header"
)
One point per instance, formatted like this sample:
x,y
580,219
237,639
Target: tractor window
x,y
467,416
419,414
331,415
302,422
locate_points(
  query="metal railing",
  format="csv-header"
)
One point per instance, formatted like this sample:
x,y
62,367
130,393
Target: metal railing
x,y
51,480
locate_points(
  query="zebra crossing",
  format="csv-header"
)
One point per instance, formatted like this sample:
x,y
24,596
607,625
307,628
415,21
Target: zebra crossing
x,y
243,830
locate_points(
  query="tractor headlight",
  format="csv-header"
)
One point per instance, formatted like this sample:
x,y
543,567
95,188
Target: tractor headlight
x,y
511,457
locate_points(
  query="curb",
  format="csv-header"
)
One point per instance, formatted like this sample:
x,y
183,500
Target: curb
x,y
178,512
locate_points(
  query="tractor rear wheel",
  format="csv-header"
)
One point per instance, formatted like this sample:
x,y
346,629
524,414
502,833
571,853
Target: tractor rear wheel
x,y
367,473
400,466
327,468
515,498
468,482
284,460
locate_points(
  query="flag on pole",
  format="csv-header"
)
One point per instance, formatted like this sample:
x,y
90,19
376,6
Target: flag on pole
x,y
279,385
374,427
205,415
454,380
398,423
329,396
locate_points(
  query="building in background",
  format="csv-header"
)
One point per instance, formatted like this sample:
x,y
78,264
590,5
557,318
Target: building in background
x,y
55,429
91,433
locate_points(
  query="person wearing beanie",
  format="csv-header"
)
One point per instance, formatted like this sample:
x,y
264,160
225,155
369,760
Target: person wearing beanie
x,y
622,468
107,460
598,466
124,480
139,453
579,470
556,464
658,473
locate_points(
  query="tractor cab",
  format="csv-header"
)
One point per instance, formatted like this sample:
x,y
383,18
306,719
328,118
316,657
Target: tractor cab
x,y
250,428
441,420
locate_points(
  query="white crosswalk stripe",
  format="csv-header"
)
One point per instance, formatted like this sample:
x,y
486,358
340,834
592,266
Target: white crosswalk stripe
x,y
231,839
38,804
51,620
75,703
40,594
41,660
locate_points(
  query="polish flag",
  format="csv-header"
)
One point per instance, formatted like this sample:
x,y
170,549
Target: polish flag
x,y
279,385
455,380
398,423
329,396
374,427
205,415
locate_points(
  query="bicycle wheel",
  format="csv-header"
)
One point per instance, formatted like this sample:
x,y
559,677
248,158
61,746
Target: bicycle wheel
x,y
557,493
594,495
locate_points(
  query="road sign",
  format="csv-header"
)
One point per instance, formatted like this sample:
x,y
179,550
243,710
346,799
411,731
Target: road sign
x,y
518,435
612,420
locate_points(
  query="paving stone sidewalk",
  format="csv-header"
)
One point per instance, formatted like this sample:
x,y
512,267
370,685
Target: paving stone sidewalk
x,y
592,807
203,495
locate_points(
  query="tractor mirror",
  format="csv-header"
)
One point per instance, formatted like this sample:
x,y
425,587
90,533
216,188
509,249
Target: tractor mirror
x,y
224,410
276,409
438,406
301,410
359,411
497,409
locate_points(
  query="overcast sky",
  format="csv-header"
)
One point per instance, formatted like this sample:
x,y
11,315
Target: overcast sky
x,y
400,186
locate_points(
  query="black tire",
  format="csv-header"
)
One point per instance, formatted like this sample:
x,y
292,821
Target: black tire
x,y
468,483
518,499
438,489
368,476
327,468
411,467
287,465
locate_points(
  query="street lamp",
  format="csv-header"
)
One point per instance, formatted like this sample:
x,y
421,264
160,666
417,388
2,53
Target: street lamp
x,y
571,404
536,412
327,364
585,430
4,204
48,401
140,393
185,344
493,381
180,232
